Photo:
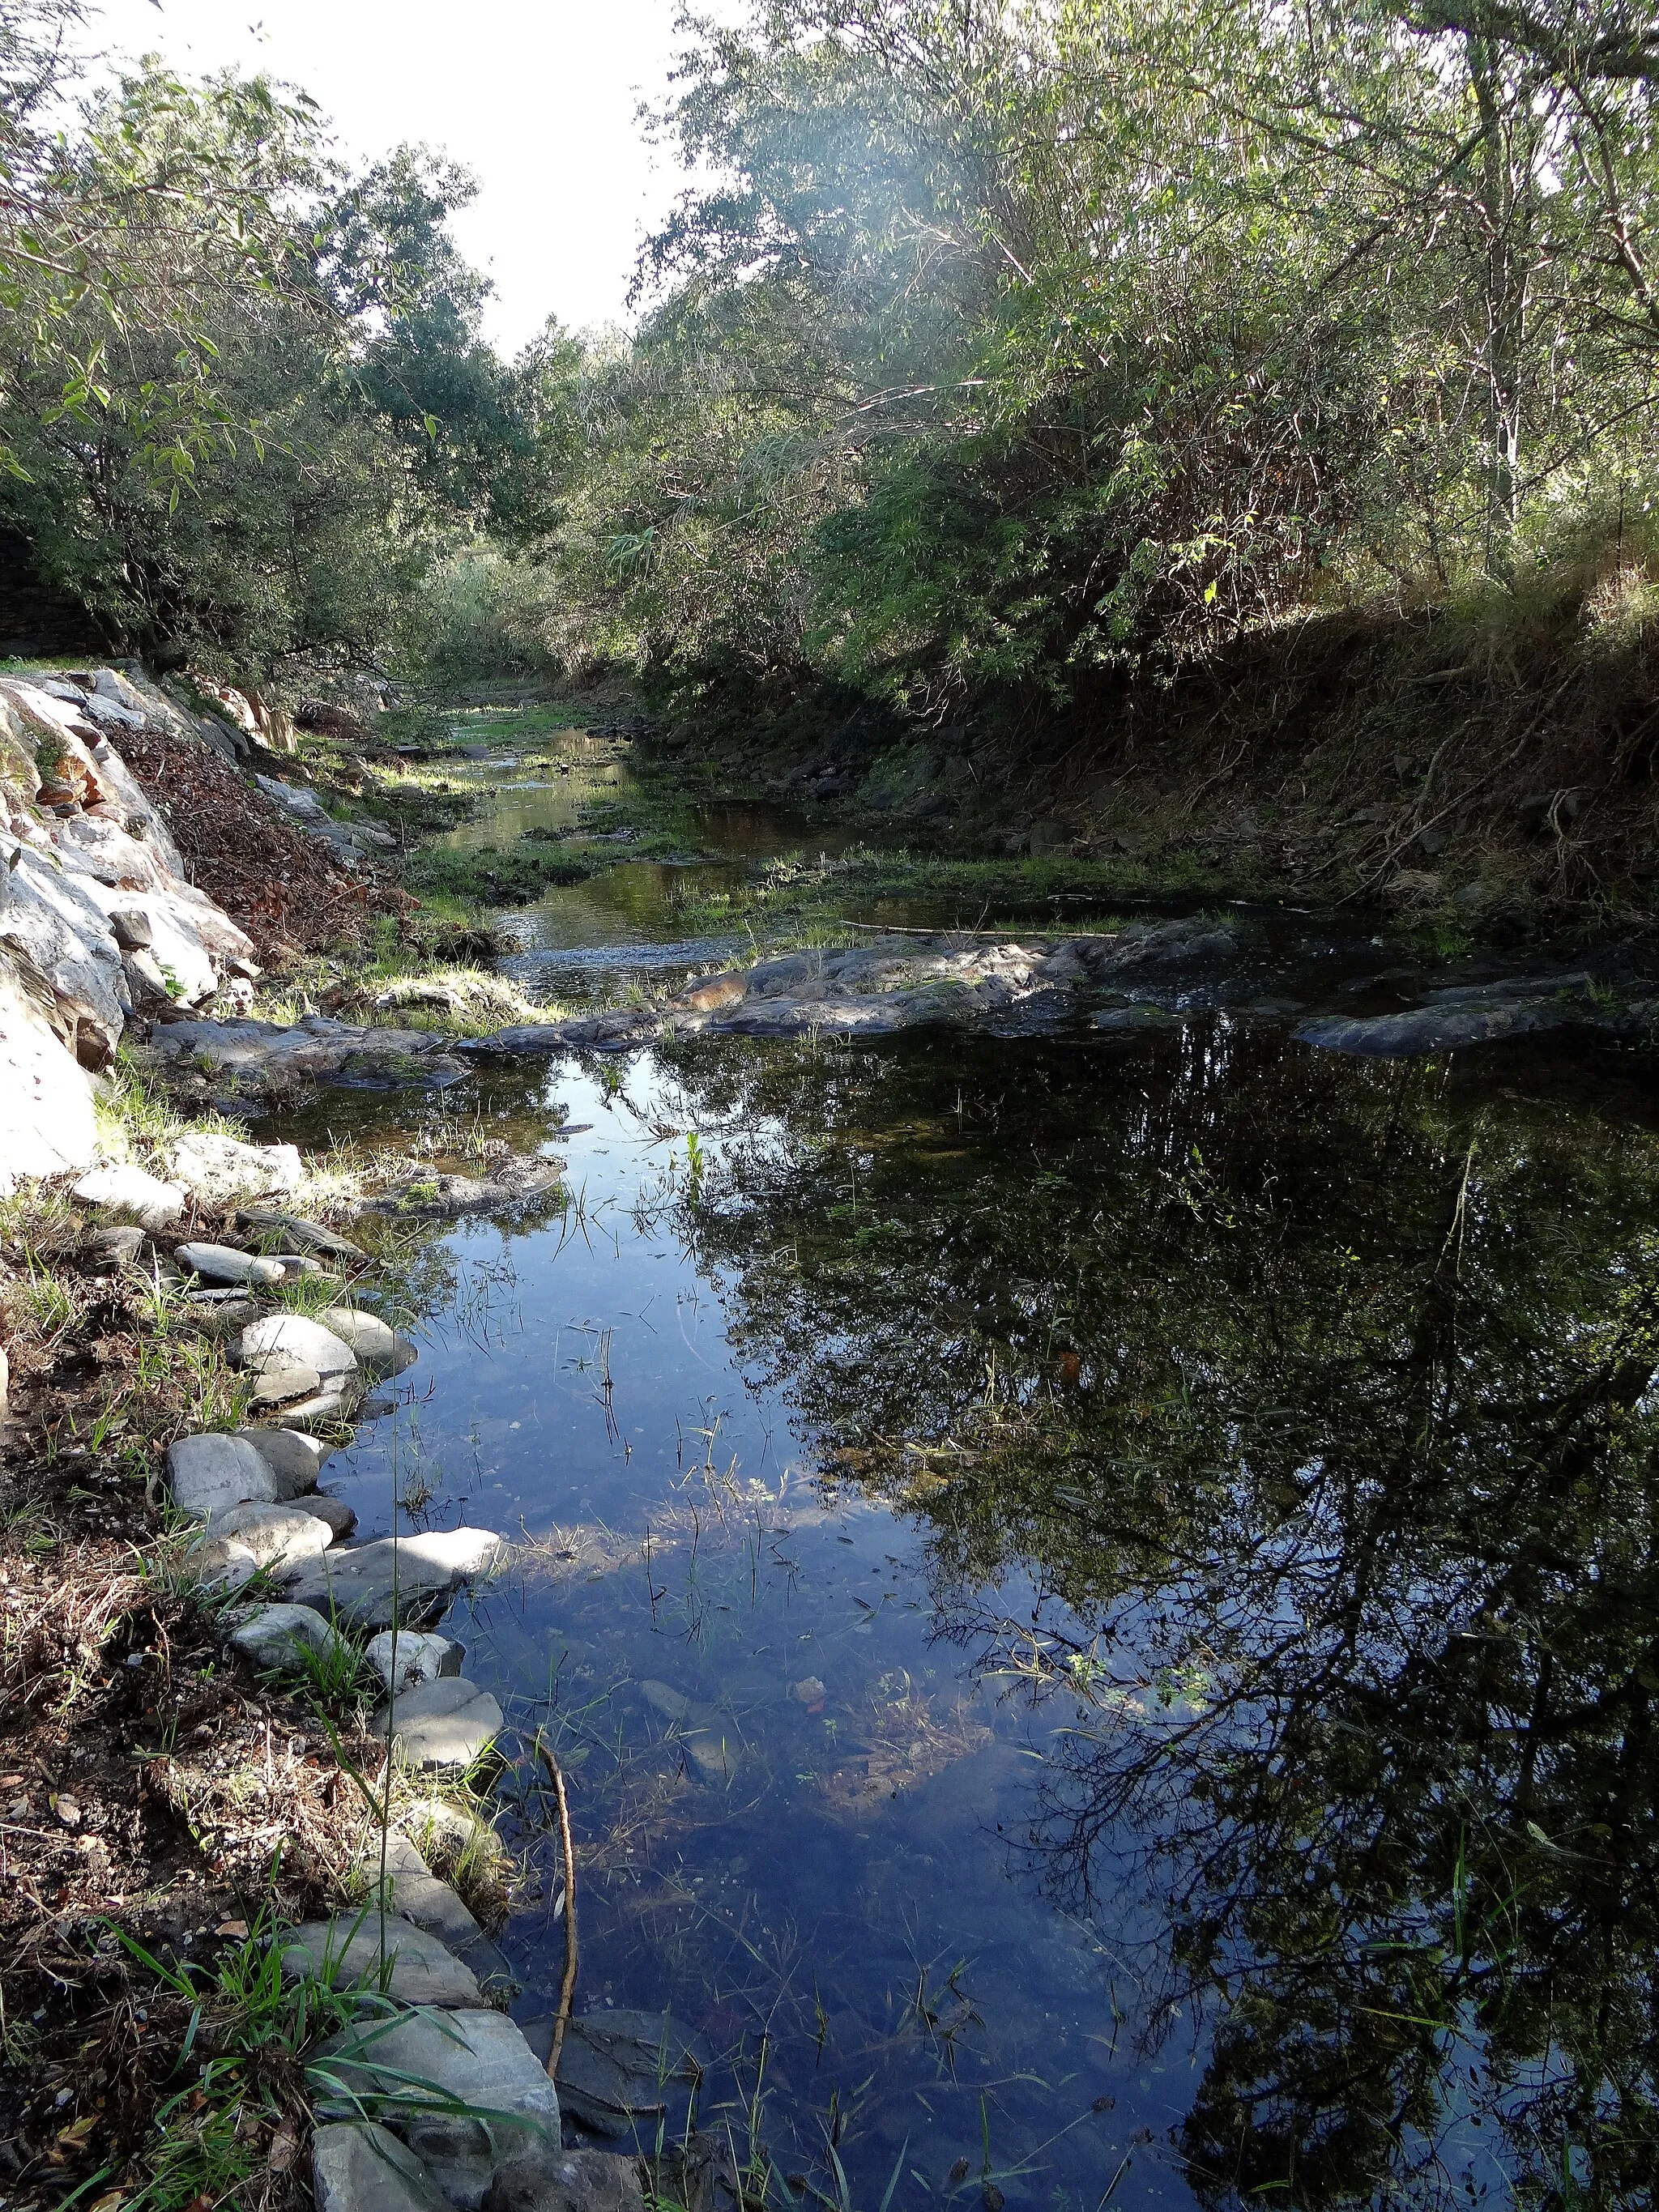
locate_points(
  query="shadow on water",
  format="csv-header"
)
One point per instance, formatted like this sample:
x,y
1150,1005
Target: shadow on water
x,y
1098,1599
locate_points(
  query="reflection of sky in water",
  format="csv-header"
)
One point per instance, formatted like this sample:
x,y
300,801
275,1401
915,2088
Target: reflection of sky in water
x,y
583,1391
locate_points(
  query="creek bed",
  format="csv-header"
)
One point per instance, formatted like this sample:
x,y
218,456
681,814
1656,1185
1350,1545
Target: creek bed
x,y
1092,1592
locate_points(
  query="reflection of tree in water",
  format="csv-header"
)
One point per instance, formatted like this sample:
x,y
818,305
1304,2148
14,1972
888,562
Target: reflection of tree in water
x,y
1344,1538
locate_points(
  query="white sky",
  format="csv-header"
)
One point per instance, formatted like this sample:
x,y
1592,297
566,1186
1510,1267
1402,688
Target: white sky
x,y
536,97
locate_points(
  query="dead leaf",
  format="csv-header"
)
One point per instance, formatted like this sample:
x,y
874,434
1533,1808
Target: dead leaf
x,y
237,1928
284,2150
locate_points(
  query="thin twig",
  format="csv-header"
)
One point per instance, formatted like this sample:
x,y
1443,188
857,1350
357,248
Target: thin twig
x,y
568,1987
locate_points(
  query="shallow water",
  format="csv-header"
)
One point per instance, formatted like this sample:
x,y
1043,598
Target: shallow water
x,y
1212,1483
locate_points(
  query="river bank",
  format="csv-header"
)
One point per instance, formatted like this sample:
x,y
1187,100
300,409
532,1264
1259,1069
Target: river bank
x,y
884,1409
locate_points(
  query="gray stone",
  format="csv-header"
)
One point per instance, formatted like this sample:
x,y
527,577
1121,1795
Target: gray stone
x,y
276,1634
477,2058
448,1723
131,928
223,1263
670,1702
277,1535
260,1056
123,1190
222,1562
291,1340
711,1753
284,1386
210,1474
566,2181
218,1170
292,1458
376,1950
329,1409
301,1236
376,1345
1434,1029
336,1515
416,1894
357,2167
405,1658
620,2068
409,1575
118,1248
296,1265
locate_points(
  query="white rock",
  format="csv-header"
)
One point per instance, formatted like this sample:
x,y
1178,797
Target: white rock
x,y
291,1340
404,1657
374,1344
210,1474
48,1123
275,1634
51,922
277,1535
218,1170
223,1263
124,1189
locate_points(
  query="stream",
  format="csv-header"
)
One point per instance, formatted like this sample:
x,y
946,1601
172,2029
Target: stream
x,y
1097,1596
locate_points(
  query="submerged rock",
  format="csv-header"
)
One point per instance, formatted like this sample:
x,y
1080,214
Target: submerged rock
x,y
1436,1029
442,1197
567,2181
366,1584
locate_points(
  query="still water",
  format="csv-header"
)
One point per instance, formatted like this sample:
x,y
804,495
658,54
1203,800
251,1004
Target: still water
x,y
1098,1597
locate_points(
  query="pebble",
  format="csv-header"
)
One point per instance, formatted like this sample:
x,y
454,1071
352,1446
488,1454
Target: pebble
x,y
223,1263
448,1723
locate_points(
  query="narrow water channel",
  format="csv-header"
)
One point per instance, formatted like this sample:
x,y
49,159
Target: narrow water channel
x,y
1098,1594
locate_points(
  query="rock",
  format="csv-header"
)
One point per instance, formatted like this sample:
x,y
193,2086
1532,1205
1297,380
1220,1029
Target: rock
x,y
259,1056
332,1408
222,1562
122,1189
376,1345
301,1235
359,2166
219,1169
210,1475
290,1341
566,2181
1137,1017
223,1263
276,1634
335,1515
348,1954
473,2057
277,1535
447,1722
293,1459
282,1386
357,1585
620,2068
131,928
116,1248
665,1700
295,1265
1434,1029
405,1658
447,1197
146,981
715,1758
416,1894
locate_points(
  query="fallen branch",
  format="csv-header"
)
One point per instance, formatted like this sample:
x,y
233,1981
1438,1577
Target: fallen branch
x,y
567,1986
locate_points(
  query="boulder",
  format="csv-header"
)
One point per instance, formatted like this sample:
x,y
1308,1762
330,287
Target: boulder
x,y
210,1475
404,1658
276,1634
290,1341
358,2166
218,1170
48,1123
119,1189
377,1951
222,1562
223,1263
448,1723
284,1386
376,1345
365,1584
277,1535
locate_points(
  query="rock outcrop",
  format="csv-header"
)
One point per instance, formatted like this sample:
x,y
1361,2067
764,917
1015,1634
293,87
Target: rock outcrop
x,y
99,922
